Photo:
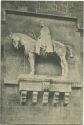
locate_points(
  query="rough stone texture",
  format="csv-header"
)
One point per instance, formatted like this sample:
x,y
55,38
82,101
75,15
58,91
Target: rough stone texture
x,y
63,8
12,111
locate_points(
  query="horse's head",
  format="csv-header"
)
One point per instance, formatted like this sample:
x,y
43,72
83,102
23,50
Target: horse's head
x,y
15,39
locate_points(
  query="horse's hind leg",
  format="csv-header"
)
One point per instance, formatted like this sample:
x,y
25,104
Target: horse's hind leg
x,y
64,67
31,59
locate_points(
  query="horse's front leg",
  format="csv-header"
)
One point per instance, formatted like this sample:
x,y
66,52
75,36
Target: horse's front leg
x,y
31,59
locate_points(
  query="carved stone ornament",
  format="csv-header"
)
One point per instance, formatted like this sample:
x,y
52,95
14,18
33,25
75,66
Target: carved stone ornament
x,y
43,46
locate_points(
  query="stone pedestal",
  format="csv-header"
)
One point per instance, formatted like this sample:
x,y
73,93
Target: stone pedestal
x,y
46,85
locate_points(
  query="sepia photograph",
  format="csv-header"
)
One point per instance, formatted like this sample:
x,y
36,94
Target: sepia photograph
x,y
41,63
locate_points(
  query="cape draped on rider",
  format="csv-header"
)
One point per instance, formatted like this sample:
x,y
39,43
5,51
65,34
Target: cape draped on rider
x,y
44,41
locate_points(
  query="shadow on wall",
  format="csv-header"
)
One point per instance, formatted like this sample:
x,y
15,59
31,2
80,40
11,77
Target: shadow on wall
x,y
49,65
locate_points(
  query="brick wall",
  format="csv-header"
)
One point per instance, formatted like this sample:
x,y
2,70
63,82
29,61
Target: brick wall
x,y
62,8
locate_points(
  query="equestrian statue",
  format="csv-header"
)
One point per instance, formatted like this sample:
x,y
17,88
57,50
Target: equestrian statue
x,y
44,46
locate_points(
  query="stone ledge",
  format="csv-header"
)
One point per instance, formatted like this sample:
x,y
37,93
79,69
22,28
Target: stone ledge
x,y
41,78
43,15
73,84
44,86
